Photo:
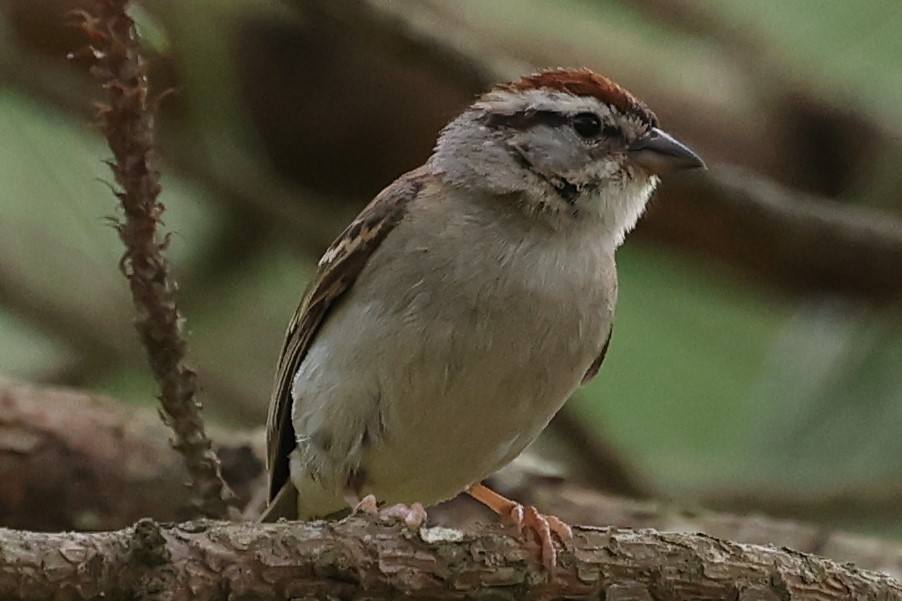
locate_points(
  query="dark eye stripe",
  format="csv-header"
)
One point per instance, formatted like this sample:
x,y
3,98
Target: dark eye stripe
x,y
587,125
611,131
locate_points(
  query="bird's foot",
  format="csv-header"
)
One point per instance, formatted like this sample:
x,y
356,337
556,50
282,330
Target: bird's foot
x,y
527,520
413,516
366,505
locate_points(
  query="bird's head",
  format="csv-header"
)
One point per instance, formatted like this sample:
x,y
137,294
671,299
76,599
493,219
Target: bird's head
x,y
568,142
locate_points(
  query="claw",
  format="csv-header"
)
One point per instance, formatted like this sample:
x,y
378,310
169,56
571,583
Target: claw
x,y
413,516
526,519
543,526
366,505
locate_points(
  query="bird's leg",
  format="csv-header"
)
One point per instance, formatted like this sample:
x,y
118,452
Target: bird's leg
x,y
525,519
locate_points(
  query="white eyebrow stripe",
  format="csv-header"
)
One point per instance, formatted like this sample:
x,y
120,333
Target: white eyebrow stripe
x,y
509,102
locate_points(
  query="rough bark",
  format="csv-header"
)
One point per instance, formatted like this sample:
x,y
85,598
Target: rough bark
x,y
359,558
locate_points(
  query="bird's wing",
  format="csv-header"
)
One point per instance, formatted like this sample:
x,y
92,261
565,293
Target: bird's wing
x,y
338,269
596,365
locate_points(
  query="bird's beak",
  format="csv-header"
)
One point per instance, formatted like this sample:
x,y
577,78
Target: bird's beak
x,y
659,153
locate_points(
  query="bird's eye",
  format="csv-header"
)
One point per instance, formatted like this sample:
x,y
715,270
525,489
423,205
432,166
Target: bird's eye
x,y
587,125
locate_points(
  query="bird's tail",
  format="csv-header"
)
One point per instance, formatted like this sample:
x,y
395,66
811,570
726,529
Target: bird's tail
x,y
283,505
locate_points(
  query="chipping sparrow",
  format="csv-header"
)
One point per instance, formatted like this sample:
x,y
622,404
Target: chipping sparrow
x,y
454,317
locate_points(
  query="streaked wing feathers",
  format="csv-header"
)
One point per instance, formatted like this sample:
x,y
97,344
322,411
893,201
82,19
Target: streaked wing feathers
x,y
338,268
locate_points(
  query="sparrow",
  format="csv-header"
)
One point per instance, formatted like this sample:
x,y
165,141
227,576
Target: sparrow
x,y
455,315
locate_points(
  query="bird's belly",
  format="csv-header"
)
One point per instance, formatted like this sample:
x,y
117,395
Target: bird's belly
x,y
465,404
433,462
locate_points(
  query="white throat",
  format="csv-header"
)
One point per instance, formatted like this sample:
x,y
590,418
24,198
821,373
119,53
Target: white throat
x,y
617,207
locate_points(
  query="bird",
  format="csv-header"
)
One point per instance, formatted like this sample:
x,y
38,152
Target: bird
x,y
451,320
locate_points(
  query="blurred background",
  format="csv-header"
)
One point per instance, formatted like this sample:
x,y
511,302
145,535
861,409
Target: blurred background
x,y
757,357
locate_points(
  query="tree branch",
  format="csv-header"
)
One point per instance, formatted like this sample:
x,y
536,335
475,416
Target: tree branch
x,y
579,505
69,459
208,560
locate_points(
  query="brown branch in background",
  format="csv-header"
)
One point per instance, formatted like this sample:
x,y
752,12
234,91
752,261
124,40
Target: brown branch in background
x,y
803,242
364,558
73,460
591,457
127,122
